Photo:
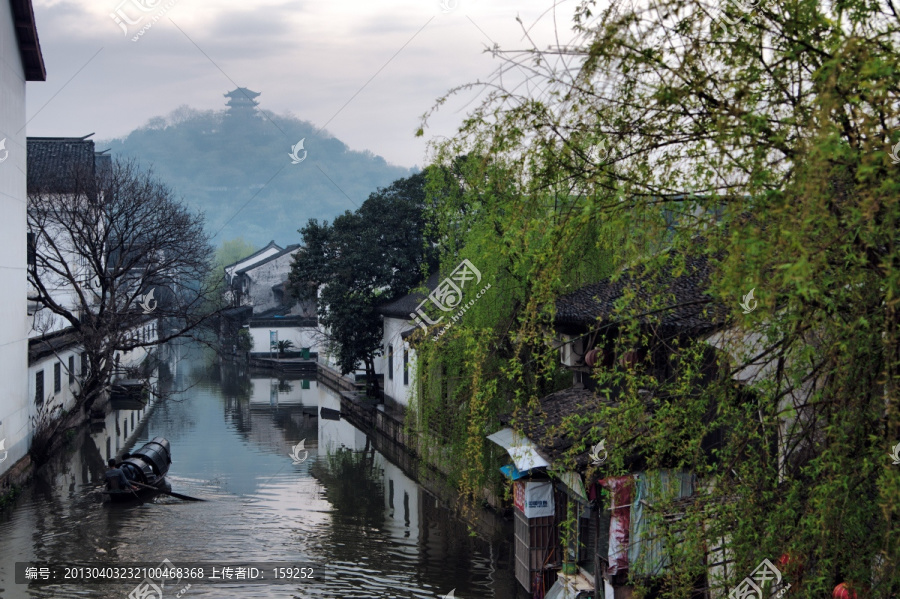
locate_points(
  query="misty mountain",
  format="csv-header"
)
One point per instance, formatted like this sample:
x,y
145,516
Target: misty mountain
x,y
234,165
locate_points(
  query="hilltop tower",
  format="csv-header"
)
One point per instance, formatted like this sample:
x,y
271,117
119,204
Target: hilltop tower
x,y
242,102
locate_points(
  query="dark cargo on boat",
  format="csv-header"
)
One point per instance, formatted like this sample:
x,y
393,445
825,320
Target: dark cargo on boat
x,y
147,465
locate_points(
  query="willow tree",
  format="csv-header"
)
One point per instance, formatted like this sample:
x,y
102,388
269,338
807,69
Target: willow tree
x,y
759,138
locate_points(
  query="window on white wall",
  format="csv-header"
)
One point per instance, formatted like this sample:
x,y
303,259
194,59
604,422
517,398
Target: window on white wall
x,y
390,354
406,367
39,387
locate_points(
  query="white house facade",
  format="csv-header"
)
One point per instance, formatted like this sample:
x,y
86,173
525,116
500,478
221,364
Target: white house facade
x,y
20,61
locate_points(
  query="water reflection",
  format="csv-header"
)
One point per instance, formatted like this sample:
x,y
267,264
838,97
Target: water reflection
x,y
367,527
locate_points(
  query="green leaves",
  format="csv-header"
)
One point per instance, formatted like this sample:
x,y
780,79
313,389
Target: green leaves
x,y
763,149
362,260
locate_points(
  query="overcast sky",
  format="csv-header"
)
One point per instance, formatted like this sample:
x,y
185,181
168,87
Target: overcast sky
x,y
306,58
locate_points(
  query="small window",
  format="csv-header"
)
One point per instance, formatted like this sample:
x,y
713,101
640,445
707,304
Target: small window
x,y
405,366
32,251
83,364
391,362
72,369
57,377
39,387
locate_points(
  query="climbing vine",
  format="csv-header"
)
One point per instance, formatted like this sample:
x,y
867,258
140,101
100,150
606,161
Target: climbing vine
x,y
662,135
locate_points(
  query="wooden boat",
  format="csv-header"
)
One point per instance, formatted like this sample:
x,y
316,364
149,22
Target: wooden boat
x,y
148,466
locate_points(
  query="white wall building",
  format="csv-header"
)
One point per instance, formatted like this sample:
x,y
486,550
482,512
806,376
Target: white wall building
x,y
399,360
303,333
55,165
263,283
20,61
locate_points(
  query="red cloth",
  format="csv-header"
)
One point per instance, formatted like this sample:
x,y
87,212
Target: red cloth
x,y
622,490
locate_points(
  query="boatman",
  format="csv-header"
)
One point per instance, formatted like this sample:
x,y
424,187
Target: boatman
x,y
115,478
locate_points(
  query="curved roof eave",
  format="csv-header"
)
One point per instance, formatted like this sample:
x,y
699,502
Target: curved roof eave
x,y
27,36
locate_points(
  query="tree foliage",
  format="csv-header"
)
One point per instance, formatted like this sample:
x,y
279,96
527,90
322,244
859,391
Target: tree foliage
x,y
236,169
365,258
228,253
757,138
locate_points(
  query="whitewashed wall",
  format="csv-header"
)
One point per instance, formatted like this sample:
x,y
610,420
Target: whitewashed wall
x,y
393,377
300,336
60,288
65,397
15,405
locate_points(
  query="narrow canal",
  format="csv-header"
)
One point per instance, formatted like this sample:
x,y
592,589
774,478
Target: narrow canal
x,y
364,526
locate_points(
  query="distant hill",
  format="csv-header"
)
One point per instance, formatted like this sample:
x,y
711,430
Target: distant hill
x,y
218,160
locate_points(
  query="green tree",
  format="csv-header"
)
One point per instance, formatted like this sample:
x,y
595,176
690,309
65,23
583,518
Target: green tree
x,y
363,259
284,345
228,253
760,139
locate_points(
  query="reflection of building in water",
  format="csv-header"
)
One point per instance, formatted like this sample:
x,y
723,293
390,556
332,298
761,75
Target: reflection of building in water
x,y
282,391
269,412
419,525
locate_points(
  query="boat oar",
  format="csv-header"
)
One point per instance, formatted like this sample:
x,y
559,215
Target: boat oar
x,y
178,495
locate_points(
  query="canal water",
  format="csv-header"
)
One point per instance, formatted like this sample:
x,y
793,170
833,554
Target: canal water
x,y
363,525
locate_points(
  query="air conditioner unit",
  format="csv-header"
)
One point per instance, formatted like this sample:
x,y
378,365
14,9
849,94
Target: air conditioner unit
x,y
571,351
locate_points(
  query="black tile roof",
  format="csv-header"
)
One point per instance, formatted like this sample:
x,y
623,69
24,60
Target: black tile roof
x,y
271,244
57,164
693,310
541,426
51,343
402,307
281,253
27,37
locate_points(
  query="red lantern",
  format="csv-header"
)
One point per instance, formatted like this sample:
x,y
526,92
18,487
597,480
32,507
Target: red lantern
x,y
629,359
843,591
590,358
789,562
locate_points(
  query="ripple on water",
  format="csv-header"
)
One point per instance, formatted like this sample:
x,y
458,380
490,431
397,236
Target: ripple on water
x,y
368,531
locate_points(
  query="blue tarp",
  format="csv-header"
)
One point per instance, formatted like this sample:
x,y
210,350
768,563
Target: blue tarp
x,y
513,473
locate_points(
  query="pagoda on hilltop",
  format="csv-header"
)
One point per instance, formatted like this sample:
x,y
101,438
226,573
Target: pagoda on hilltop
x,y
242,102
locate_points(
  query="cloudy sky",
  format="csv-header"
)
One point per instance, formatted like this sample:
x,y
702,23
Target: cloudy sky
x,y
366,71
